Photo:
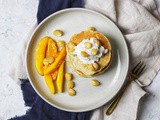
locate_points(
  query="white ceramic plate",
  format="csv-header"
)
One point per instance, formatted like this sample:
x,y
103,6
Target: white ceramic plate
x,y
72,21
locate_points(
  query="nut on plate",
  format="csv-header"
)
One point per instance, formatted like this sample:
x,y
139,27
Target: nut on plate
x,y
95,82
58,33
71,92
94,52
87,45
60,43
68,76
70,84
84,54
91,28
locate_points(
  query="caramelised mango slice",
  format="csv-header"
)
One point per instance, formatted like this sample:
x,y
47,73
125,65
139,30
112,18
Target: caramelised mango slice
x,y
52,49
40,54
50,83
60,78
55,65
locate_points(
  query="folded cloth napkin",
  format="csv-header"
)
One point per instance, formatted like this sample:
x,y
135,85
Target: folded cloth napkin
x,y
140,24
40,110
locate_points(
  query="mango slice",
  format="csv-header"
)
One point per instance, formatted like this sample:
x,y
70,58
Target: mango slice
x,y
55,65
52,49
50,83
40,54
60,78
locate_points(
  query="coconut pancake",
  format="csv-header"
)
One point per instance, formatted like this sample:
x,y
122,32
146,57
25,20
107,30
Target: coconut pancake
x,y
83,69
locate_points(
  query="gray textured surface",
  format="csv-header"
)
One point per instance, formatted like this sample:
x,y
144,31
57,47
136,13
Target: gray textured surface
x,y
16,19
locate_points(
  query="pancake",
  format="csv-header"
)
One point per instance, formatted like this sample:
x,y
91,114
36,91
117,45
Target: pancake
x,y
88,70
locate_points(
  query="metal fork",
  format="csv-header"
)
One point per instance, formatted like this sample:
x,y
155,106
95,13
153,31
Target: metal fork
x,y
133,75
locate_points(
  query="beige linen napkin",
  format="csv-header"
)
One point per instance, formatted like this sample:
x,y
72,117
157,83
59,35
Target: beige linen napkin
x,y
139,22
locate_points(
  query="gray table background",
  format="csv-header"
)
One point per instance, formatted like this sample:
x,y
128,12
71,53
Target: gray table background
x,y
16,19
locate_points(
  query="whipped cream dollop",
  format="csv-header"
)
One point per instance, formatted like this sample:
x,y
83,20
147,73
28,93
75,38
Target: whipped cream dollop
x,y
90,59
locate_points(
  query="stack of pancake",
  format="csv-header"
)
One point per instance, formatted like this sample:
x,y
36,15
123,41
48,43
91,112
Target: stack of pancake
x,y
88,70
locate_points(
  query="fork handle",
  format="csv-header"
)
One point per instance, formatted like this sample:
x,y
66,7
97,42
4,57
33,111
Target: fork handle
x,y
112,105
116,100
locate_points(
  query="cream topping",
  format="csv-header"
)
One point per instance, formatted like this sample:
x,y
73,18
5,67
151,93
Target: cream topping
x,y
90,59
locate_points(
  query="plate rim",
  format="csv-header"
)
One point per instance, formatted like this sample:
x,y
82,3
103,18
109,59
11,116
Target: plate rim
x,y
27,49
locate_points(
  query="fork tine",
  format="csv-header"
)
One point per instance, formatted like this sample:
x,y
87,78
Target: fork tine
x,y
141,70
138,68
135,67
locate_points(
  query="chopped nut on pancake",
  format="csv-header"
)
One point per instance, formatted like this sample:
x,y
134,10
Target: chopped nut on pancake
x,y
87,45
94,52
84,54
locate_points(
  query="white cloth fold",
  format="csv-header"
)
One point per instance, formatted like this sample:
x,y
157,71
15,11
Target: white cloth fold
x,y
139,22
